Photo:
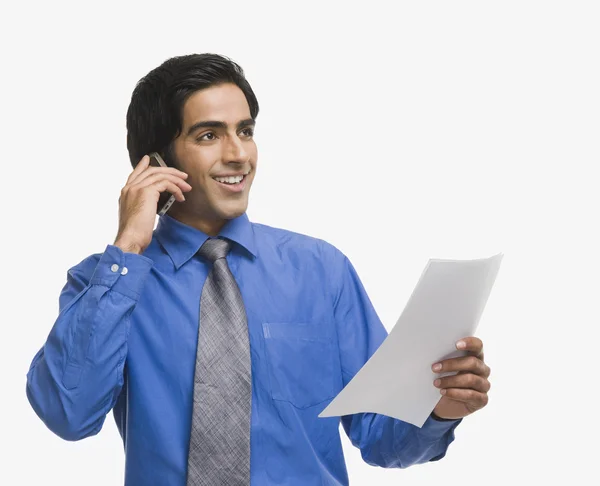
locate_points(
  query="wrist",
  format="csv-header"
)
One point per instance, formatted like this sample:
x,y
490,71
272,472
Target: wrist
x,y
440,419
128,247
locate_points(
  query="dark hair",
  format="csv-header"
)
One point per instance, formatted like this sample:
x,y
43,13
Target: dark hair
x,y
155,113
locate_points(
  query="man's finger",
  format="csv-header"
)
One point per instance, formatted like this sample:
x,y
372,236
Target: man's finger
x,y
472,345
473,399
465,363
464,380
139,168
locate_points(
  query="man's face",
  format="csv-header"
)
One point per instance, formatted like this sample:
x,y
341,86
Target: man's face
x,y
222,147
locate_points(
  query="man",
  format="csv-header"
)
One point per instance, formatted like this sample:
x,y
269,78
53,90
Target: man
x,y
217,341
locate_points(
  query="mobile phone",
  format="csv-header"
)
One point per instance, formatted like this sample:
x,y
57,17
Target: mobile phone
x,y
166,199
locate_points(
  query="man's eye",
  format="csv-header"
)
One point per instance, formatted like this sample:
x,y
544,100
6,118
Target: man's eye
x,y
206,134
248,132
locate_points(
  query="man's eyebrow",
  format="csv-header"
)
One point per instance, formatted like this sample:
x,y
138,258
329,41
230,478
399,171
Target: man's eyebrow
x,y
248,122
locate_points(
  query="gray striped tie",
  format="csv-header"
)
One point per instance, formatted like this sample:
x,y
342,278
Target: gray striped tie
x,y
219,451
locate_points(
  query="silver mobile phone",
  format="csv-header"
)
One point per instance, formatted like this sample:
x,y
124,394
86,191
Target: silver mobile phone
x,y
166,199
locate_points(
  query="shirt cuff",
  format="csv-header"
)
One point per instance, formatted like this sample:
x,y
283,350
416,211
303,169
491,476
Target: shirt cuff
x,y
440,419
439,427
122,271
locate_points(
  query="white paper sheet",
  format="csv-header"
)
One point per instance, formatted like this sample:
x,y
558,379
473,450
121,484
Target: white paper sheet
x,y
445,306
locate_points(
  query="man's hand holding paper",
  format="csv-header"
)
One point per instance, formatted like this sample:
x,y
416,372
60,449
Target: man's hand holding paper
x,y
444,308
465,392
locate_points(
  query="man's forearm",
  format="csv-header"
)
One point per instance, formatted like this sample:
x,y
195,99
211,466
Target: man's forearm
x,y
391,443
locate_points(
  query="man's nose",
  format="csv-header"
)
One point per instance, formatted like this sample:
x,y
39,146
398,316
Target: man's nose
x,y
235,151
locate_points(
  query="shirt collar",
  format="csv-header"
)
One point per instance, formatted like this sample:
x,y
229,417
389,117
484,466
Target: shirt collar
x,y
182,241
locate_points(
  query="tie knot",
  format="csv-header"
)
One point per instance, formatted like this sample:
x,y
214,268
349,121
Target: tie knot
x,y
214,248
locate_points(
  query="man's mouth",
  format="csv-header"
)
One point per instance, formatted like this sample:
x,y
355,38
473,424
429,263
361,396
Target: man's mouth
x,y
232,182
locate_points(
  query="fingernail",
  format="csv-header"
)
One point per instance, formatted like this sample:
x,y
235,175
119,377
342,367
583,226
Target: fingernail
x,y
461,345
443,392
437,367
437,382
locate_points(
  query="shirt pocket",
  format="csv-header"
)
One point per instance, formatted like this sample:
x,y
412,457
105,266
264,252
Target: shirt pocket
x,y
301,362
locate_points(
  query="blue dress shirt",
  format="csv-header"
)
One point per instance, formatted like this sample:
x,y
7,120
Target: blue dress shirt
x,y
126,335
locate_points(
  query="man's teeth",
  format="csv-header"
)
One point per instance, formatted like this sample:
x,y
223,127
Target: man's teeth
x,y
230,180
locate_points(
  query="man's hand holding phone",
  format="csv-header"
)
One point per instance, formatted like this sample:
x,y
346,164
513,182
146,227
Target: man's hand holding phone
x,y
139,201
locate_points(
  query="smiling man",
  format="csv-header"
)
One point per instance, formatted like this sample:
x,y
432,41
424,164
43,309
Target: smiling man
x,y
217,149
217,341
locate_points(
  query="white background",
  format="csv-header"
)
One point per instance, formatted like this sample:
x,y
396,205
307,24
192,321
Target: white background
x,y
442,129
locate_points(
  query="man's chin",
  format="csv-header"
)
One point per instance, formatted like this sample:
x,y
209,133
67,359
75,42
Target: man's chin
x,y
232,211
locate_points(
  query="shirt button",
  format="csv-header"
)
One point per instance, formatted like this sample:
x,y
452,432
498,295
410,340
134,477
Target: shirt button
x,y
115,267
124,271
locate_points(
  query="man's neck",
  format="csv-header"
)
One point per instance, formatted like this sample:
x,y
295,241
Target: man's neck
x,y
211,227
